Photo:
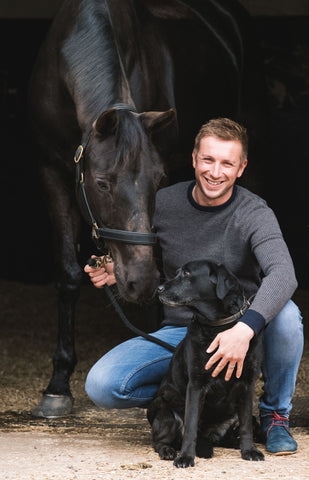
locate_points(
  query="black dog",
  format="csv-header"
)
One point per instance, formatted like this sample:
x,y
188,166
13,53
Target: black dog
x,y
192,410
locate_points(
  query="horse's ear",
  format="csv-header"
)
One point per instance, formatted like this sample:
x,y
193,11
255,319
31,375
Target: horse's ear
x,y
155,121
106,123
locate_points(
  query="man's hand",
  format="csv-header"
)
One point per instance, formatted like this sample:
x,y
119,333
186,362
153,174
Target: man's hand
x,y
102,275
232,346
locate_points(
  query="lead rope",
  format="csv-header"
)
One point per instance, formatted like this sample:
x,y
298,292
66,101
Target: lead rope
x,y
97,263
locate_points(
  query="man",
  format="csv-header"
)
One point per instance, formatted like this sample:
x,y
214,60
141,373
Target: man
x,y
213,218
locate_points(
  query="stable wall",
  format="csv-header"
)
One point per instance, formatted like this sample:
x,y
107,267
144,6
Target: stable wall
x,y
47,8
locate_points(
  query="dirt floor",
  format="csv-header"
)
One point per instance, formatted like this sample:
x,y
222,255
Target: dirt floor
x,y
94,444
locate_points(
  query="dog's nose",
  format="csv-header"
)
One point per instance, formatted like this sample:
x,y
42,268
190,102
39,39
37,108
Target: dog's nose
x,y
160,289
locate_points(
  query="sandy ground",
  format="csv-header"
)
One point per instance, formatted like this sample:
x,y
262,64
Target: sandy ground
x,y
43,456
95,444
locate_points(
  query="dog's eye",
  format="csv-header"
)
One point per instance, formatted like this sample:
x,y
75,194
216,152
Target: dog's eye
x,y
186,273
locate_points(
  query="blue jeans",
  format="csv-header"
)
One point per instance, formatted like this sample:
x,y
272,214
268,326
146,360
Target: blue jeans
x,y
129,374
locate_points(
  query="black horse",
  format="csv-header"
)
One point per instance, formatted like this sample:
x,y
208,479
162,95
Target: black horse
x,y
104,92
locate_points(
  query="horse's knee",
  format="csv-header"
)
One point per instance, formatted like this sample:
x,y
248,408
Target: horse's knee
x,y
68,284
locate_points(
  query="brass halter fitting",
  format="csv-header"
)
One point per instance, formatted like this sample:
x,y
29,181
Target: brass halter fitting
x,y
102,261
79,153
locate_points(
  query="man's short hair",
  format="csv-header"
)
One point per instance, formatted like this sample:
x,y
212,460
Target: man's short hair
x,y
224,129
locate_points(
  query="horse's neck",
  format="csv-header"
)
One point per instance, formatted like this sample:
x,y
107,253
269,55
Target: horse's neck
x,y
94,73
104,69
142,82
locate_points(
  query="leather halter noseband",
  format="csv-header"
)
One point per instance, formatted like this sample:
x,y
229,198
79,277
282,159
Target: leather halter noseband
x,y
105,233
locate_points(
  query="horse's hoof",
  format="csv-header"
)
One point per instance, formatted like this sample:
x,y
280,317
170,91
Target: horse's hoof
x,y
53,406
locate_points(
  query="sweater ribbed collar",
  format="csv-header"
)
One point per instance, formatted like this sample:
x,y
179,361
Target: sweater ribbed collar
x,y
209,209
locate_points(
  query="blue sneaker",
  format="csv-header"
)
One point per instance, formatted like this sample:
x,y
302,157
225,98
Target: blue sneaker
x,y
276,432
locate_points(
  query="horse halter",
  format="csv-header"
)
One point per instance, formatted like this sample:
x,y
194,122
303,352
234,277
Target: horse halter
x,y
103,232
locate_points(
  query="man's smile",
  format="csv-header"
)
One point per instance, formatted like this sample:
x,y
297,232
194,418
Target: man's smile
x,y
213,183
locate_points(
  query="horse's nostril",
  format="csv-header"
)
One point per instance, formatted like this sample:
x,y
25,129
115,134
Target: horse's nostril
x,y
137,286
131,287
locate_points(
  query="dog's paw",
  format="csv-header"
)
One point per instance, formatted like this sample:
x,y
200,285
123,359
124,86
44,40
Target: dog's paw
x,y
167,453
184,461
252,454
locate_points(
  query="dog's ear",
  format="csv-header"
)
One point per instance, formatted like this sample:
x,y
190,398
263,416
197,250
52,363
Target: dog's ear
x,y
224,281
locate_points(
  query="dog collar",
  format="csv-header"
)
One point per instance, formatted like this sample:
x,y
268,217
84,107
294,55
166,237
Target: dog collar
x,y
233,318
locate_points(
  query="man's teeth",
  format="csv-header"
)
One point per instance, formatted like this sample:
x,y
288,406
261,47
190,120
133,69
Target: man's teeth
x,y
213,183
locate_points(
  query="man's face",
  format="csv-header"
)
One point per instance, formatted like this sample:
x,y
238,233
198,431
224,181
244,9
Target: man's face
x,y
217,165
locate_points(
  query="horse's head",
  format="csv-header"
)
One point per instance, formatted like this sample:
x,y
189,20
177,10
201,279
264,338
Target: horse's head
x,y
123,171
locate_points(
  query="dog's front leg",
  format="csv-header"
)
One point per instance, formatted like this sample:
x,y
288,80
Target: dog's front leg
x,y
247,447
194,403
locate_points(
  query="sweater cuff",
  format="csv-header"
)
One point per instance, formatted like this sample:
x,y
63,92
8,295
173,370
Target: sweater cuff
x,y
254,320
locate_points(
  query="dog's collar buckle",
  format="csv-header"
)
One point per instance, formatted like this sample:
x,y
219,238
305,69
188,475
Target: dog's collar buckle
x,y
245,306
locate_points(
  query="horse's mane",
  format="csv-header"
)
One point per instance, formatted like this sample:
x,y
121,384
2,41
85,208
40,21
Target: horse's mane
x,y
92,64
95,80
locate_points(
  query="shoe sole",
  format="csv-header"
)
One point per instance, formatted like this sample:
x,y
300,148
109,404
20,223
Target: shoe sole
x,y
278,454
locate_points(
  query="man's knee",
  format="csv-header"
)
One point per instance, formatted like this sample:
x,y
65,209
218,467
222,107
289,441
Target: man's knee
x,y
100,388
286,328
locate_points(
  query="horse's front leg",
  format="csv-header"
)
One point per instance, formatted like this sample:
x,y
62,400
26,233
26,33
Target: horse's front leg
x,y
57,399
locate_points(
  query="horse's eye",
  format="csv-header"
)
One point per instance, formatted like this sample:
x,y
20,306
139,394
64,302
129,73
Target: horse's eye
x,y
186,273
103,185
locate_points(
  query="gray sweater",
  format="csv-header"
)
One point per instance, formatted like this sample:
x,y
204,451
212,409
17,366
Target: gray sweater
x,y
243,234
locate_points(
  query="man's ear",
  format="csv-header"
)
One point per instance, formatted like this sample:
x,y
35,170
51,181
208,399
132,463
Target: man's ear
x,y
242,168
194,158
